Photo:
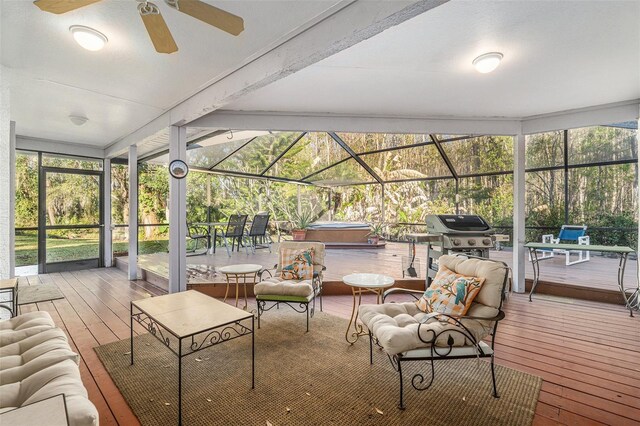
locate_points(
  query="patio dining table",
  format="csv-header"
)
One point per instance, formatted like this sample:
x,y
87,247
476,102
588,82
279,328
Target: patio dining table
x,y
631,296
215,226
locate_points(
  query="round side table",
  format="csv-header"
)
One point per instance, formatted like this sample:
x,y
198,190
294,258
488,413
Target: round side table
x,y
363,283
245,273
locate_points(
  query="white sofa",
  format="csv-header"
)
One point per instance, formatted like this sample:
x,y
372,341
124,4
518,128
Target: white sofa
x,y
36,363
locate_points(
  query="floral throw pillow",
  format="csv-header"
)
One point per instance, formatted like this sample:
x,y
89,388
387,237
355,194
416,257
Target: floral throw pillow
x,y
450,293
297,264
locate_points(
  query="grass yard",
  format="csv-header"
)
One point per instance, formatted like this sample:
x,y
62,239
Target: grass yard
x,y
74,248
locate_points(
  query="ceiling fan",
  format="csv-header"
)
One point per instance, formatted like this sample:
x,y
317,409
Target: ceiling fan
x,y
154,22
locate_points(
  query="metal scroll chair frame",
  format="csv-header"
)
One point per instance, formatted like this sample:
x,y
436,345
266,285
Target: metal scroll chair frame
x,y
235,231
198,233
433,353
297,303
258,235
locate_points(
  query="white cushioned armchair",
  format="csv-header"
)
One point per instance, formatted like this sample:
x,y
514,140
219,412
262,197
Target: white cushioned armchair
x,y
406,333
298,294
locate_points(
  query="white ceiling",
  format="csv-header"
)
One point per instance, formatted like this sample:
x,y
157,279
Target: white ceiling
x,y
127,84
558,55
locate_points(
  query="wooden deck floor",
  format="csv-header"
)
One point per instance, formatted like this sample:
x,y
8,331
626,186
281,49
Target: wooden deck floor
x,y
587,353
599,273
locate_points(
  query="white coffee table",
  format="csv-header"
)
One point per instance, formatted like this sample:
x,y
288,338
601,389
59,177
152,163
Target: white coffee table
x,y
244,273
364,283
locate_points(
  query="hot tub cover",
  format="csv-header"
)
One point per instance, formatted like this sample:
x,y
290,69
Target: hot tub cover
x,y
338,225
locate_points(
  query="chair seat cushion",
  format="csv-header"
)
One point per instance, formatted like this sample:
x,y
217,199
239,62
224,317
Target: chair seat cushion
x,y
395,326
278,287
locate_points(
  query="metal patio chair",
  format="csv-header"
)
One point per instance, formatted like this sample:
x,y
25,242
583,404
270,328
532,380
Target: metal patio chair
x,y
407,334
198,233
258,235
297,294
234,231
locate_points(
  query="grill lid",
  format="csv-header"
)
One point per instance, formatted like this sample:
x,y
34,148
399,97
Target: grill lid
x,y
448,223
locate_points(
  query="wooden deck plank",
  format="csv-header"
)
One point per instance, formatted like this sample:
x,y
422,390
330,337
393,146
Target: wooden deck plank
x,y
588,364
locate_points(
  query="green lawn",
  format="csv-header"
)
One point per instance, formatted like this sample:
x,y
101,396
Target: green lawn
x,y
78,247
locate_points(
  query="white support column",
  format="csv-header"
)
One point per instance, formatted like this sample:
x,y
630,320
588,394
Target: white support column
x,y
106,208
177,214
7,185
518,214
638,196
133,212
382,206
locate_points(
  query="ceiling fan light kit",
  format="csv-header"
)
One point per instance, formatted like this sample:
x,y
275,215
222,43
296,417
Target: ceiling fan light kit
x,y
152,19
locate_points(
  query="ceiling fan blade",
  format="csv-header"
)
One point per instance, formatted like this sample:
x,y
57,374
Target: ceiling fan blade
x,y
62,6
210,14
157,28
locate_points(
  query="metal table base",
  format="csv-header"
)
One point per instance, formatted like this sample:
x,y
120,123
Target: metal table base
x,y
194,343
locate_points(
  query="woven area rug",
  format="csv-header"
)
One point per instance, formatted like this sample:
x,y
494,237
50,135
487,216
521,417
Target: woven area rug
x,y
38,293
313,378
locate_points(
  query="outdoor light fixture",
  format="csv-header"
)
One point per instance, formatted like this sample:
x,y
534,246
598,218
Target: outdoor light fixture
x,y
78,120
178,169
88,38
487,62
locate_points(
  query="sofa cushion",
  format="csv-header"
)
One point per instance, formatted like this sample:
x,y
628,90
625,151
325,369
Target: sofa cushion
x,y
395,325
15,329
278,286
450,293
63,377
28,356
22,346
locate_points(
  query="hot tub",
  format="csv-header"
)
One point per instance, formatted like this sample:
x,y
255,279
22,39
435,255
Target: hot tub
x,y
340,234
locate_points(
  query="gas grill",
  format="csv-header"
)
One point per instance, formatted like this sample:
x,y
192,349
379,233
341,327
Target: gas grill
x,y
468,234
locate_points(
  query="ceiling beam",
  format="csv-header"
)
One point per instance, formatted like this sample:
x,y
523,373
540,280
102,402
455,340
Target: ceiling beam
x,y
239,120
58,147
343,25
583,117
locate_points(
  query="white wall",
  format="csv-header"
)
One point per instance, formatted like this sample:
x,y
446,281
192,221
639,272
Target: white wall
x,y
7,182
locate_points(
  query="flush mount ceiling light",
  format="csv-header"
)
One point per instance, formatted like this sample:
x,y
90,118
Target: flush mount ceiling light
x,y
78,120
487,62
88,38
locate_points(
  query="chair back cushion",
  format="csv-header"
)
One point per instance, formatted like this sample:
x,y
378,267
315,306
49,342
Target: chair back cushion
x,y
489,299
318,253
450,293
296,264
